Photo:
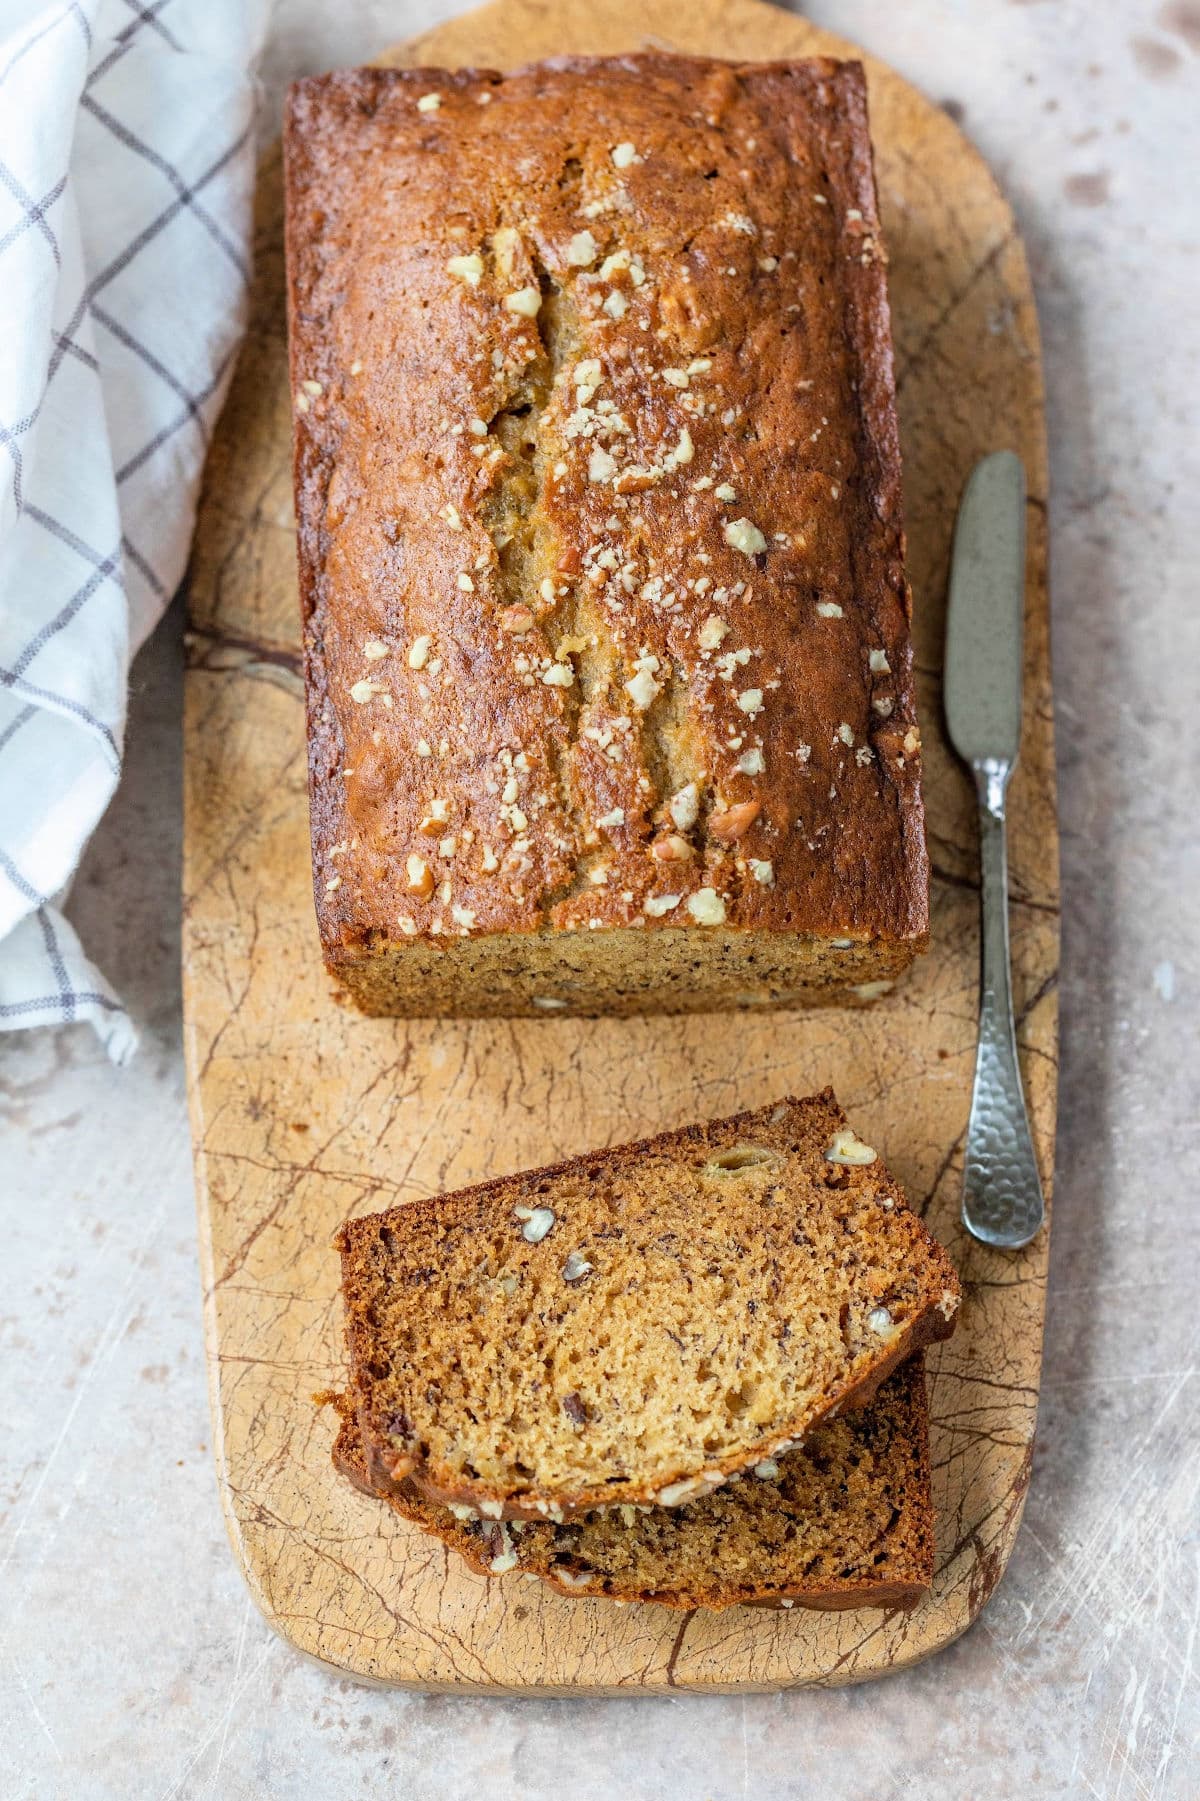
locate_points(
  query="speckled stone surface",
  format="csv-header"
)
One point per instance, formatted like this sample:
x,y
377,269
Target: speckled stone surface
x,y
133,1662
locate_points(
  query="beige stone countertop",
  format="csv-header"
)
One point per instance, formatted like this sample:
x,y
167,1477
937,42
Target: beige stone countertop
x,y
134,1663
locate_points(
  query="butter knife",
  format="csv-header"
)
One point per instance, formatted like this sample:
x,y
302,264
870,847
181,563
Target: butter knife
x,y
1002,1200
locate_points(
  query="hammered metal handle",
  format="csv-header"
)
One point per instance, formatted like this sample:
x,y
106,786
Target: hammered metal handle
x,y
1002,1191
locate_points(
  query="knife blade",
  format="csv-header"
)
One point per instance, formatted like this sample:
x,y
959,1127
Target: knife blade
x,y
1002,1201
985,624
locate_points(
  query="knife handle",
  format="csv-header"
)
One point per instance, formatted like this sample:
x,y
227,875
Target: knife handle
x,y
1002,1191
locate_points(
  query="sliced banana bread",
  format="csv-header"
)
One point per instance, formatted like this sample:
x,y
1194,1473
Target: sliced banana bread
x,y
639,1324
845,1521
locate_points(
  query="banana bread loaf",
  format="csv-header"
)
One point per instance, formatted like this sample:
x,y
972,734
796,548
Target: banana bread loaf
x,y
610,696
639,1324
845,1521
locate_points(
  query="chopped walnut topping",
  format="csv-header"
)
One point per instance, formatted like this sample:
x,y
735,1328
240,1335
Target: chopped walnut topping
x,y
635,479
750,701
744,536
912,741
420,877
684,806
763,870
467,268
465,582
624,156
489,862
374,650
463,916
879,664
683,452
506,244
706,908
587,380
515,620
418,652
526,301
576,1267
452,516
829,609
751,762
429,103
608,821
582,250
731,661
672,849
712,632
678,378
658,904
361,692
559,675
601,466
725,492
616,305
846,733
734,822
642,687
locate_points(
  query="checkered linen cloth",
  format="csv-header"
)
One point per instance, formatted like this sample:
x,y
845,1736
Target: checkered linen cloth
x,y
126,175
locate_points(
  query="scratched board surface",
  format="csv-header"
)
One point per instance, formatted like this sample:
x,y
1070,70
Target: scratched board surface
x,y
303,1112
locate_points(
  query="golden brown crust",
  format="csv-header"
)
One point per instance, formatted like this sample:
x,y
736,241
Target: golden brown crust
x,y
392,1264
847,1522
457,459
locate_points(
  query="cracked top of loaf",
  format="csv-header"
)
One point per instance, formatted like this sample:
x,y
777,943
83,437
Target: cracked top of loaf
x,y
598,492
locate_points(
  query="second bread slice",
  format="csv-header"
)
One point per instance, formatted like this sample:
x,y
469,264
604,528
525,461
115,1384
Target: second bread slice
x,y
844,1521
638,1324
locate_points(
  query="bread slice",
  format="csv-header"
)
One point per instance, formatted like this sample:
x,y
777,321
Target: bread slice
x,y
845,1521
639,1324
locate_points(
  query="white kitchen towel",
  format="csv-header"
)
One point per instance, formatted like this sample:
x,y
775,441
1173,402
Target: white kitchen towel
x,y
126,179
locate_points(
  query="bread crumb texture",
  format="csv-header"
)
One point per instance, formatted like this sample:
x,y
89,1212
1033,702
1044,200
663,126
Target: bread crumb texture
x,y
638,1325
601,551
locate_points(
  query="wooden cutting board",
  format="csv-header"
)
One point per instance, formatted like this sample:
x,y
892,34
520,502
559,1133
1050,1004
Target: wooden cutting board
x,y
303,1112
